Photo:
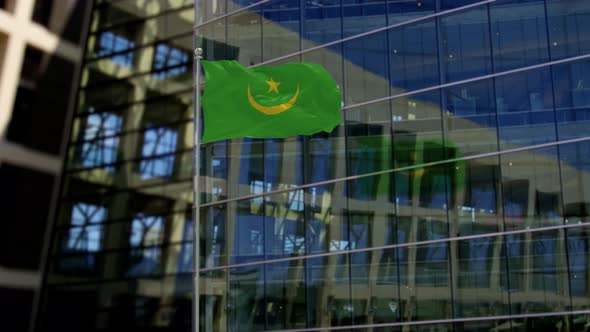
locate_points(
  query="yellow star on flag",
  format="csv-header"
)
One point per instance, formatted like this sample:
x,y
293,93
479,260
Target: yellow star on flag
x,y
273,86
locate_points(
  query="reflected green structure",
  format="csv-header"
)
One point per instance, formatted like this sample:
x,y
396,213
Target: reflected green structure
x,y
453,196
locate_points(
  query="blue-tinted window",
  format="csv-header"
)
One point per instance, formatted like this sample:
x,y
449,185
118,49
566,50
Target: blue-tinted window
x,y
413,57
525,108
465,44
158,148
519,34
322,21
185,257
110,43
100,145
146,236
572,98
84,237
169,61
86,230
569,23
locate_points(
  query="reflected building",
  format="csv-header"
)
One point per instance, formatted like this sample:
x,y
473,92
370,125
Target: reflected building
x,y
40,56
452,197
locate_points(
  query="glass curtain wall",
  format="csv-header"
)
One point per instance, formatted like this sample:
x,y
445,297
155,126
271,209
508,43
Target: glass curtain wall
x,y
476,115
477,108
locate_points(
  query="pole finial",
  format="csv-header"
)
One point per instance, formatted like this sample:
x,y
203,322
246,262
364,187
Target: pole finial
x,y
198,52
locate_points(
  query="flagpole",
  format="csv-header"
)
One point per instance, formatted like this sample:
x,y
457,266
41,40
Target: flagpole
x,y
196,193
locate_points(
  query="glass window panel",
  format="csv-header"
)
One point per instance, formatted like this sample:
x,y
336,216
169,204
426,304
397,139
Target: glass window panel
x,y
470,119
169,61
84,236
575,177
572,98
465,44
244,32
111,43
146,236
100,146
537,272
476,193
280,28
324,160
213,41
427,295
369,150
363,15
416,126
246,302
525,109
322,22
417,140
531,189
158,147
568,23
413,57
578,249
246,168
216,171
366,68
328,291
519,34
214,300
285,295
375,293
285,225
331,59
208,10
477,268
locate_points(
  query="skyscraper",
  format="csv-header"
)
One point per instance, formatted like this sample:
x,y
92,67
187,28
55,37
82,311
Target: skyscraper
x,y
452,197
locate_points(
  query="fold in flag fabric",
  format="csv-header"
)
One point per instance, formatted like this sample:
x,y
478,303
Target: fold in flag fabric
x,y
268,102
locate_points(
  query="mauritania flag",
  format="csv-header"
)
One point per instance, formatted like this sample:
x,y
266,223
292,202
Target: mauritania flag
x,y
268,102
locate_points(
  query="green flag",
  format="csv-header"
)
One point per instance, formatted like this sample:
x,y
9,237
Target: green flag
x,y
268,102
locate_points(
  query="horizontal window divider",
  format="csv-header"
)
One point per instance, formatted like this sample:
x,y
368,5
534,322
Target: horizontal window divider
x,y
396,246
440,321
397,169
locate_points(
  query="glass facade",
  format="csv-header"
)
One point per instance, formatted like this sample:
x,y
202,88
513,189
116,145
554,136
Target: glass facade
x,y
454,195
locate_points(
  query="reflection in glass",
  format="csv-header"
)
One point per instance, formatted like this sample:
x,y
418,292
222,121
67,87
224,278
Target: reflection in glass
x,y
84,236
465,44
568,23
169,61
525,109
158,142
519,34
531,189
111,43
146,235
100,145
